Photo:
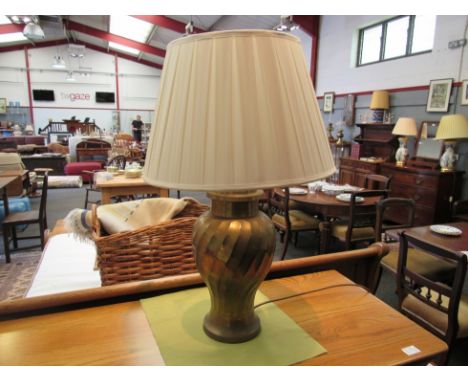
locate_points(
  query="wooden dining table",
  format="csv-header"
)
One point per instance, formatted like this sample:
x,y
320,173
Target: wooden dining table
x,y
424,233
120,185
354,326
4,182
329,209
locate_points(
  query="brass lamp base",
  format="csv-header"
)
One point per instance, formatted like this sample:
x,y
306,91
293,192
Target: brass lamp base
x,y
234,245
400,164
447,169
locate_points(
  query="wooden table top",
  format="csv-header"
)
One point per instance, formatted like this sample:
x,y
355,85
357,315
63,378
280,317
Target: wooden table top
x,y
353,325
5,181
328,205
15,173
121,181
453,243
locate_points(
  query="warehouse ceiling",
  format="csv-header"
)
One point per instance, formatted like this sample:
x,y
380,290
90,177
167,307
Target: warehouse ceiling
x,y
139,38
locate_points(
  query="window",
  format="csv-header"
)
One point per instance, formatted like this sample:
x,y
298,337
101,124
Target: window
x,y
395,38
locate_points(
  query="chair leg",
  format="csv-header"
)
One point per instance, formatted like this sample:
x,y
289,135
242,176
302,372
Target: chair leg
x,y
15,238
86,200
42,233
285,246
6,242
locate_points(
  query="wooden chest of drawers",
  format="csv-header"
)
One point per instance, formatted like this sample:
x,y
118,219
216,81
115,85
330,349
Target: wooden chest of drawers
x,y
354,171
433,191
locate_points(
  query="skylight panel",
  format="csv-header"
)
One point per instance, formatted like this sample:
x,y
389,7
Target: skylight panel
x,y
130,27
4,20
123,48
12,37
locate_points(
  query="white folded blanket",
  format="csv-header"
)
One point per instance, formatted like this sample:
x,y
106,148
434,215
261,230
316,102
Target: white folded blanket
x,y
128,216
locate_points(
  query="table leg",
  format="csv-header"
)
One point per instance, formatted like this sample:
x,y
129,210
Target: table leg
x,y
105,197
324,228
164,192
5,201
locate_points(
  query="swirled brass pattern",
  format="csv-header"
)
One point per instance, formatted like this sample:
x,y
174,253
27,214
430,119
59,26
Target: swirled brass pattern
x,y
233,255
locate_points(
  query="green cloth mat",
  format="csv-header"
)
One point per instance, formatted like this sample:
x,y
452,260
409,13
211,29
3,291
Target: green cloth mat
x,y
176,320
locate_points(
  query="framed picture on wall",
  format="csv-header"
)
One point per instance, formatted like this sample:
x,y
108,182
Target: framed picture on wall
x,y
328,100
464,92
439,95
3,105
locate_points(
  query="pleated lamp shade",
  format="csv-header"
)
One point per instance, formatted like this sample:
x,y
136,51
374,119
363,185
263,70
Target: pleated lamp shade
x,y
380,100
405,127
452,127
236,111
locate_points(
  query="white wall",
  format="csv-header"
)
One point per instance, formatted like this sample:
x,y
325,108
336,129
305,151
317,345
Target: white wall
x,y
138,86
337,69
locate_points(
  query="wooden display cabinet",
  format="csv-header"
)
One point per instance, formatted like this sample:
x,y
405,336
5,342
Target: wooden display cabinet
x,y
376,140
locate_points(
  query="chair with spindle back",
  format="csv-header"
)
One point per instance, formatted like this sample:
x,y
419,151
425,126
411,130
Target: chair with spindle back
x,y
440,308
15,219
418,261
289,221
360,226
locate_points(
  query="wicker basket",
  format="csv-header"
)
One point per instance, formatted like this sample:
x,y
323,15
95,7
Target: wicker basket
x,y
148,253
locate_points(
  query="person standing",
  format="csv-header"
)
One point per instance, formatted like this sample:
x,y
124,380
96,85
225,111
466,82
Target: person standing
x,y
137,126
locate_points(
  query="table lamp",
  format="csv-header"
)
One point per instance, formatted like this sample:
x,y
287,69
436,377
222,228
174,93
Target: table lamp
x,y
451,128
404,128
379,103
237,114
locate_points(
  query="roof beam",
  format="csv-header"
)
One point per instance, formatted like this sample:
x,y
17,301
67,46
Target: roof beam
x,y
98,33
168,23
11,28
43,44
121,55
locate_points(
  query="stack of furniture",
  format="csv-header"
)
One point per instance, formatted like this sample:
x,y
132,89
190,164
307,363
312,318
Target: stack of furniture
x,y
432,190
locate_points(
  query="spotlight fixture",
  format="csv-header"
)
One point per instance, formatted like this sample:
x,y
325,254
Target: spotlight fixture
x,y
286,24
70,77
189,27
58,62
33,30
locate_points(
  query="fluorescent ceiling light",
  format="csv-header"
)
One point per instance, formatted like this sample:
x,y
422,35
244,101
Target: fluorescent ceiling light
x,y
130,27
124,48
33,31
12,37
4,20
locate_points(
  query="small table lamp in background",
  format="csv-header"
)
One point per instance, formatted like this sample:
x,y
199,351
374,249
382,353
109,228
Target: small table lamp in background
x,y
404,128
237,114
379,103
451,128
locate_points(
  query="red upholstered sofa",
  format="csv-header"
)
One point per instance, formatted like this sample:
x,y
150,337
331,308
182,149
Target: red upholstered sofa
x,y
78,168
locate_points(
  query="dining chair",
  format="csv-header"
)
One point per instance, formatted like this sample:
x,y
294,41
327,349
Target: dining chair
x,y
288,221
418,261
377,182
16,219
360,224
440,308
118,161
460,207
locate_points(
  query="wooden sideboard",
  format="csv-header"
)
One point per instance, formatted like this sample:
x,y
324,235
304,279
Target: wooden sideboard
x,y
433,191
354,171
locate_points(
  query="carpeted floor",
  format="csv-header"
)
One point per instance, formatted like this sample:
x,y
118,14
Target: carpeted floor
x,y
15,277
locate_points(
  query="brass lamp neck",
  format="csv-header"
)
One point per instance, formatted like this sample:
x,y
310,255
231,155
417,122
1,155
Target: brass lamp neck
x,y
235,204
